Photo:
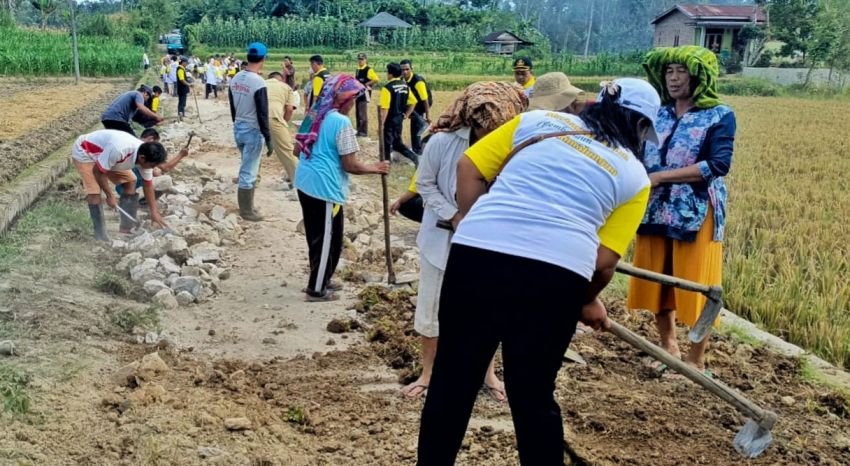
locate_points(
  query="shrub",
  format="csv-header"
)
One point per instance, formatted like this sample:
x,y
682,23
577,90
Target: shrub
x,y
756,87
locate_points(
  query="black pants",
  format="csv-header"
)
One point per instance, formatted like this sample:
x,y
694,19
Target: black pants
x,y
417,125
165,88
211,88
393,141
118,125
324,240
362,116
181,103
488,298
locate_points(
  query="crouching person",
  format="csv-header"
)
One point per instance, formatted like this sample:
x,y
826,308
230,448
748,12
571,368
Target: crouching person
x,y
327,144
107,156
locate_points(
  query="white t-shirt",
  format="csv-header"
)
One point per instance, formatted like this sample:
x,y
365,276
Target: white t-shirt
x,y
556,200
111,150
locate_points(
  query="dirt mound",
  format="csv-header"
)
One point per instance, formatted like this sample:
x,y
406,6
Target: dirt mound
x,y
389,315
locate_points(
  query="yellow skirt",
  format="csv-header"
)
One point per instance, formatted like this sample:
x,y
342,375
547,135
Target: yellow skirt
x,y
700,261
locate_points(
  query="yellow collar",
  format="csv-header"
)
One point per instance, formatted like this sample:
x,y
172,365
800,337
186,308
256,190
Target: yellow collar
x,y
529,83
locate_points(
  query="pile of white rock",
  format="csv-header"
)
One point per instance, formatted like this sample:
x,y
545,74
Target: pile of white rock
x,y
185,263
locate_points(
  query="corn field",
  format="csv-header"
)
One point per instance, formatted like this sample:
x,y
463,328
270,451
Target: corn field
x,y
30,52
327,32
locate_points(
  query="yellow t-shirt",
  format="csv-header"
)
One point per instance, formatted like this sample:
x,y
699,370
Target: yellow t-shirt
x,y
557,199
530,83
420,89
386,95
412,187
155,104
371,75
181,74
318,82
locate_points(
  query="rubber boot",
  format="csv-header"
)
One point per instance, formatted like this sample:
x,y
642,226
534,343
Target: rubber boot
x,y
130,204
96,212
246,205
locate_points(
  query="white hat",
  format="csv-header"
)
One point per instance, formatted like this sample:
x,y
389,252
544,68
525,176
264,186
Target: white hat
x,y
640,96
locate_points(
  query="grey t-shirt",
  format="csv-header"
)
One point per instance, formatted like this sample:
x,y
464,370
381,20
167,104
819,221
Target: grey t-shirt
x,y
124,107
242,89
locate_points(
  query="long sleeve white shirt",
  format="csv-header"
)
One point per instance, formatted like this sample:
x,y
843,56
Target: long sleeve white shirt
x,y
436,182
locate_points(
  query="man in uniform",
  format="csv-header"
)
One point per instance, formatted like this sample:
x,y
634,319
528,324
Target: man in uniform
x,y
524,75
419,119
317,65
183,87
397,103
249,110
367,77
281,108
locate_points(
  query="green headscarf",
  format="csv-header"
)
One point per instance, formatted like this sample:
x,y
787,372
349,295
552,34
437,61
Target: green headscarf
x,y
701,64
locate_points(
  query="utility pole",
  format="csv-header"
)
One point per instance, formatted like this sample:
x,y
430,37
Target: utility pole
x,y
589,29
73,5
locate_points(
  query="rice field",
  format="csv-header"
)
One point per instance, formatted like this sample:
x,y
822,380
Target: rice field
x,y
787,259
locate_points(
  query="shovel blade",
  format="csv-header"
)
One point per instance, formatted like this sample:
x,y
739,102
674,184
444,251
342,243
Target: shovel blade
x,y
706,320
752,440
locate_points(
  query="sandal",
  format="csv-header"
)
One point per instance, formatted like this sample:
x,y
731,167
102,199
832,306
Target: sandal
x,y
496,393
409,390
327,297
582,330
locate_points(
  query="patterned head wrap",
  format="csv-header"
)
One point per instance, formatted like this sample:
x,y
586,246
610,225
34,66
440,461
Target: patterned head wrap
x,y
486,105
337,91
702,66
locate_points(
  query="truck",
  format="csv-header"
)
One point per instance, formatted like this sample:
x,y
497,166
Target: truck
x,y
174,42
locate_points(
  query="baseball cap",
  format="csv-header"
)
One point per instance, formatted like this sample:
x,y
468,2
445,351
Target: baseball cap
x,y
146,89
522,64
640,96
553,91
361,55
257,49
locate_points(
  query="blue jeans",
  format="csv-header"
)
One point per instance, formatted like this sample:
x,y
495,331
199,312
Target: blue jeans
x,y
250,143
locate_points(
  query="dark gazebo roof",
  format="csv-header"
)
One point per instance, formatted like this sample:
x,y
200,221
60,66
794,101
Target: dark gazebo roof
x,y
385,20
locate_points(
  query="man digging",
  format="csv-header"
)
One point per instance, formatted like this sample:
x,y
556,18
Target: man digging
x,y
109,155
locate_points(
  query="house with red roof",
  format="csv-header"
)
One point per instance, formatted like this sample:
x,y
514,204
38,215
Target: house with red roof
x,y
715,27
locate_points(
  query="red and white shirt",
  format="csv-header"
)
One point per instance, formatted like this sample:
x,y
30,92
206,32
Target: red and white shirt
x,y
110,150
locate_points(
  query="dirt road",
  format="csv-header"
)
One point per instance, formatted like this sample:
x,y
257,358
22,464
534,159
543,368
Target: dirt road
x,y
251,375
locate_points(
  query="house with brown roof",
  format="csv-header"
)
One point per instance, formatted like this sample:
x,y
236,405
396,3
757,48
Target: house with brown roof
x,y
715,27
504,42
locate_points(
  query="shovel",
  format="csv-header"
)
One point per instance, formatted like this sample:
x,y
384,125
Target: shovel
x,y
383,155
713,303
754,437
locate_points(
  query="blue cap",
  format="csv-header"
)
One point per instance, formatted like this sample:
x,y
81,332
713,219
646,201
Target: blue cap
x,y
257,49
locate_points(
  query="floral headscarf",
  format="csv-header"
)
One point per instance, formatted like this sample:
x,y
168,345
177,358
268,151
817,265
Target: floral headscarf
x,y
337,91
487,105
702,66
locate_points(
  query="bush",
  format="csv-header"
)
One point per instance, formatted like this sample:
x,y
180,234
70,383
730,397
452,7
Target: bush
x,y
756,87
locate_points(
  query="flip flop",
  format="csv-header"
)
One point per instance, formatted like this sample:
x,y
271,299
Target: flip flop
x,y
329,296
496,392
408,391
582,330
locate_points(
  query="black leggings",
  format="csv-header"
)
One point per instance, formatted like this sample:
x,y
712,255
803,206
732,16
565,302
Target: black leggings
x,y
118,125
211,88
181,103
531,308
324,240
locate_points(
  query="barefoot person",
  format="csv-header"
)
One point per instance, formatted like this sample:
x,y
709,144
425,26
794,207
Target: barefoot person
x,y
327,145
110,155
683,229
481,108
529,259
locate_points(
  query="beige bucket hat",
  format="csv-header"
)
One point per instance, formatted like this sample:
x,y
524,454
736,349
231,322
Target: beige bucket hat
x,y
553,91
